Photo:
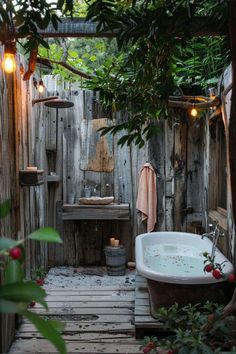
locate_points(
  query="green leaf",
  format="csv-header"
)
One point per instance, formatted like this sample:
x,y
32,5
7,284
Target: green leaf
x,y
60,3
12,307
49,329
23,292
5,208
46,234
13,272
93,58
7,243
59,326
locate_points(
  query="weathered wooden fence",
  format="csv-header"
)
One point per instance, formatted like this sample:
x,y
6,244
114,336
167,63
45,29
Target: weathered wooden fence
x,y
79,158
18,149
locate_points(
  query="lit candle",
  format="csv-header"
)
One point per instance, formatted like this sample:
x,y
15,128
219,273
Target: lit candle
x,y
116,243
112,241
31,168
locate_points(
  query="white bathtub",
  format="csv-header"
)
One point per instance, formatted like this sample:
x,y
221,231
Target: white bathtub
x,y
173,263
176,257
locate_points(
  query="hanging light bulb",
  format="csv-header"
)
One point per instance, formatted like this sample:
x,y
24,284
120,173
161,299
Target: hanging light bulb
x,y
9,61
41,86
193,112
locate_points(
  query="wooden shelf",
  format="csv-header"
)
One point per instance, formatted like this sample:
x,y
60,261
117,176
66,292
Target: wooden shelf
x,y
50,178
31,178
96,212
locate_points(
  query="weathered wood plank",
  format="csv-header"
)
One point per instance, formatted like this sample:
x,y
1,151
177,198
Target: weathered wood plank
x,y
142,310
138,158
81,289
91,318
88,327
97,295
41,345
76,207
96,212
169,173
195,163
85,310
90,304
72,294
158,158
180,169
69,245
97,151
119,297
96,337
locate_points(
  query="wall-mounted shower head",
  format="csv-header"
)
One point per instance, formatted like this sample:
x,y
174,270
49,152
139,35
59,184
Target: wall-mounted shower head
x,y
54,102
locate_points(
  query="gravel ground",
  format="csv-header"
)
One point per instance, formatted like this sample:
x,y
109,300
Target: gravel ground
x,y
70,277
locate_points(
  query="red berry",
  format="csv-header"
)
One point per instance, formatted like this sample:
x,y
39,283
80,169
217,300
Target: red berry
x,y
170,351
208,268
150,345
15,253
216,273
211,318
40,281
32,304
231,278
146,350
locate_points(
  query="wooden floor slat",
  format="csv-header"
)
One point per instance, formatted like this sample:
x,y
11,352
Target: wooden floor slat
x,y
88,291
42,346
94,297
91,337
88,327
86,310
68,318
74,304
89,288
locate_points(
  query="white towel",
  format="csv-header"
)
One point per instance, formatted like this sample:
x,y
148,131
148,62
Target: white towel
x,y
147,196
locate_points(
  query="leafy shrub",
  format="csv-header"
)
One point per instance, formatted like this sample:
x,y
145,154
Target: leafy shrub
x,y
197,329
16,293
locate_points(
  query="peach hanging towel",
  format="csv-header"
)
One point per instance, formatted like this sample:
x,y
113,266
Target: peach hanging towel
x,y
147,196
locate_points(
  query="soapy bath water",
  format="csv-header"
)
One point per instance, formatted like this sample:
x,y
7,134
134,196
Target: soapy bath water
x,y
174,260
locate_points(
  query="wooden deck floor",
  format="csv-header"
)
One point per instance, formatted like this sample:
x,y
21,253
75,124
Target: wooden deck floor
x,y
98,320
144,322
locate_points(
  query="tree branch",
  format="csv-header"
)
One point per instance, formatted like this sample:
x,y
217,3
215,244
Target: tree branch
x,y
69,67
187,105
31,65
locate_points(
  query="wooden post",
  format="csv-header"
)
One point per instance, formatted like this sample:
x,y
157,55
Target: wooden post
x,y
232,122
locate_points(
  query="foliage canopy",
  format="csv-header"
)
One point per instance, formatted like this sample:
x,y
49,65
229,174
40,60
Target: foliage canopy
x,y
21,20
155,54
158,53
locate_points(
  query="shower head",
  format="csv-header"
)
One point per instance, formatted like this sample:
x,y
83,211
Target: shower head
x,y
54,102
59,103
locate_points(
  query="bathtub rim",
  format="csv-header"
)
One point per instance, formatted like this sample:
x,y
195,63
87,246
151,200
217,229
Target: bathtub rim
x,y
148,273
